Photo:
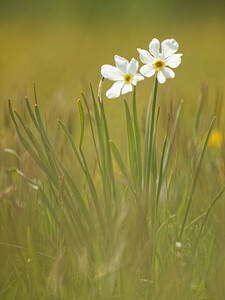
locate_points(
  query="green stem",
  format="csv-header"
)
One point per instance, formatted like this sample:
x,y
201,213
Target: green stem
x,y
138,140
149,158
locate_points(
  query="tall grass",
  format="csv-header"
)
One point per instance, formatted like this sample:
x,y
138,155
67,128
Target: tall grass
x,y
116,224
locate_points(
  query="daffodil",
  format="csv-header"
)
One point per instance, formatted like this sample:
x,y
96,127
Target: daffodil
x,y
124,74
159,62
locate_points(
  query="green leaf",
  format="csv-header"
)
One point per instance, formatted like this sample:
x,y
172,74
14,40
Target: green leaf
x,y
131,147
138,138
149,146
81,113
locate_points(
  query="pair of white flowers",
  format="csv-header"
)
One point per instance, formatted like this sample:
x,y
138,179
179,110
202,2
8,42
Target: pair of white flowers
x,y
125,73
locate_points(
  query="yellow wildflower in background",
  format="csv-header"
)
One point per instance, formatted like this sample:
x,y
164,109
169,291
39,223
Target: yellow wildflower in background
x,y
216,139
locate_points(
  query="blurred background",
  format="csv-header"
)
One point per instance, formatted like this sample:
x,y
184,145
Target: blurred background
x,y
61,45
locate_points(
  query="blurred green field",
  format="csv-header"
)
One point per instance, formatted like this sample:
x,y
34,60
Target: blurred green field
x,y
61,46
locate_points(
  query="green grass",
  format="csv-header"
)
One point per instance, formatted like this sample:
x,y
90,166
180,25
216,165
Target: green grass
x,y
108,229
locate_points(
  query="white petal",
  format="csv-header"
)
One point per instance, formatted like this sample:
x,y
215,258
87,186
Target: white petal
x,y
169,47
168,73
114,91
133,66
174,60
145,56
154,48
147,70
122,64
137,77
160,76
127,88
111,73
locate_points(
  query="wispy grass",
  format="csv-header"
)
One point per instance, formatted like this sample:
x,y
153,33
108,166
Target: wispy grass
x,y
117,223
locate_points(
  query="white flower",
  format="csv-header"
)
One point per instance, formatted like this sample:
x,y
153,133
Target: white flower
x,y
158,62
178,244
124,74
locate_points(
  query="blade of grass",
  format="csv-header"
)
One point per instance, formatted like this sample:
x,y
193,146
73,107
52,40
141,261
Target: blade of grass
x,y
206,215
109,165
196,176
153,178
150,141
92,133
89,180
121,165
138,139
171,141
160,179
131,147
146,141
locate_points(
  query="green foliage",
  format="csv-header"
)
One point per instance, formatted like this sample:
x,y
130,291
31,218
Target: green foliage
x,y
113,224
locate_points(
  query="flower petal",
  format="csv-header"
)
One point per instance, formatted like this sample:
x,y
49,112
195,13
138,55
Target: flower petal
x,y
169,47
114,91
145,56
154,48
133,66
111,73
137,77
173,60
168,73
127,88
147,70
160,76
122,64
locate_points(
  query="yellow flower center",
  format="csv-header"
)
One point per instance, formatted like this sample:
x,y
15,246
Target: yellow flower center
x,y
159,64
128,78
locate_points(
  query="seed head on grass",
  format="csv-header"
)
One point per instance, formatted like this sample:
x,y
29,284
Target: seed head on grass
x,y
158,62
124,74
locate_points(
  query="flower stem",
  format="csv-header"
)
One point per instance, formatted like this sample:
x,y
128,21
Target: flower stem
x,y
150,141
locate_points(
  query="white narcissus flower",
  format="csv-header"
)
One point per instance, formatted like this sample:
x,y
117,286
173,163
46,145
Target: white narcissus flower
x,y
124,74
158,62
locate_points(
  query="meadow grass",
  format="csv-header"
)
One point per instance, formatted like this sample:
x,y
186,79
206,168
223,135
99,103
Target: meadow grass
x,y
118,199
135,224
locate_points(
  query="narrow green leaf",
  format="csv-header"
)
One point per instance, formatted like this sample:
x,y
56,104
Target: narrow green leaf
x,y
119,159
196,176
138,138
206,214
92,132
87,174
109,165
160,179
150,145
171,141
24,141
35,94
131,147
146,140
81,113
31,113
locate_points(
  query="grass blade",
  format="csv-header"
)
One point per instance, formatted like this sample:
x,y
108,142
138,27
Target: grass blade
x,y
196,176
138,139
206,214
131,147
